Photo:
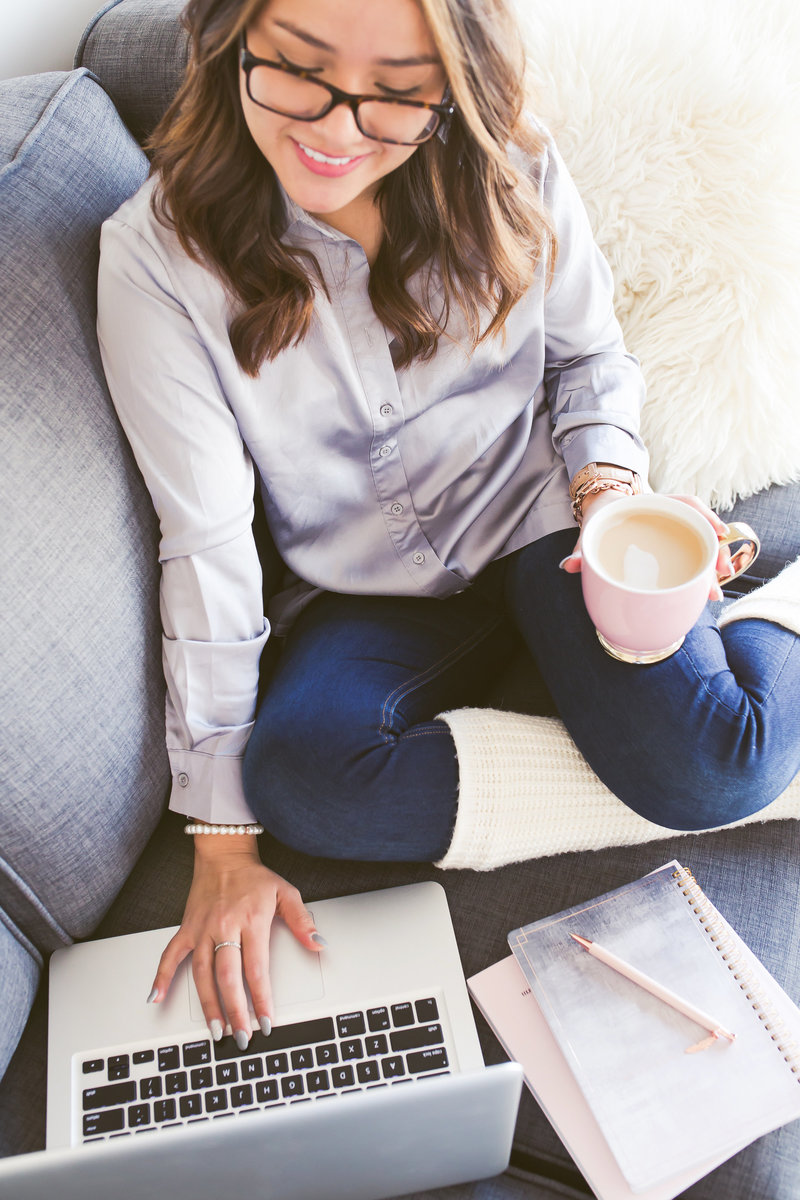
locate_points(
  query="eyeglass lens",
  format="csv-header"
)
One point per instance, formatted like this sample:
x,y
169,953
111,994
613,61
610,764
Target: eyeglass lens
x,y
306,100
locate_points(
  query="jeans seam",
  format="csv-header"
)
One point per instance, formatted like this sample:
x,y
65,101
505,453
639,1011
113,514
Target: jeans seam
x,y
458,652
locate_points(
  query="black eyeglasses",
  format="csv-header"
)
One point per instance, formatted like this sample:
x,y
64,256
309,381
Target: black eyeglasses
x,y
293,92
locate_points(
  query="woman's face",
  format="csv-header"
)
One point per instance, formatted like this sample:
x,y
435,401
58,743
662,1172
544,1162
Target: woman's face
x,y
360,46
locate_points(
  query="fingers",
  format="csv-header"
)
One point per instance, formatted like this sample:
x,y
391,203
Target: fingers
x,y
220,986
572,563
298,918
720,528
175,952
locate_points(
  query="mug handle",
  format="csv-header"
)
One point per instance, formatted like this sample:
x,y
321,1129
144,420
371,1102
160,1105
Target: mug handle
x,y
746,555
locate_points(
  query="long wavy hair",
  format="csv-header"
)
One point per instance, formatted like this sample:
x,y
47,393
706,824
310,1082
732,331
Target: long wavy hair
x,y
458,208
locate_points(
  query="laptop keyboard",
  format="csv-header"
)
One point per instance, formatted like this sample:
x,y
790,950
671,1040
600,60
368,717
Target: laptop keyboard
x,y
165,1086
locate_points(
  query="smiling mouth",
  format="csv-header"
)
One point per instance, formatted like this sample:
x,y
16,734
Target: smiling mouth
x,y
319,157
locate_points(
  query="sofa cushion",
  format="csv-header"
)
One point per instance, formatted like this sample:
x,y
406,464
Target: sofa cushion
x,y
84,770
20,968
137,49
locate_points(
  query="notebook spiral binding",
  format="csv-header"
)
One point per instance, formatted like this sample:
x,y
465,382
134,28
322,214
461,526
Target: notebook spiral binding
x,y
718,931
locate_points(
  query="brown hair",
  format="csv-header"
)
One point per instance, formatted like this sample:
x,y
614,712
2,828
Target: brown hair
x,y
457,204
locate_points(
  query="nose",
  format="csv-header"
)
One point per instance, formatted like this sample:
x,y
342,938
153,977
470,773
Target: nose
x,y
339,126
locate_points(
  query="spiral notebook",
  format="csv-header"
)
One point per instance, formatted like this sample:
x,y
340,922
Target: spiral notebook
x,y
666,1116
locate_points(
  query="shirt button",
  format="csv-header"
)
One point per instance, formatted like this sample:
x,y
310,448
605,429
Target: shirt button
x,y
384,451
396,508
183,779
386,410
419,557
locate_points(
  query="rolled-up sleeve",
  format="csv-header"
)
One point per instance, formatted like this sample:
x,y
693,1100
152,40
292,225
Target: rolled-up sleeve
x,y
190,451
594,387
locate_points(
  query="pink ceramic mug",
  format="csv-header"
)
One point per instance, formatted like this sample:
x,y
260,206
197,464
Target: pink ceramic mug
x,y
648,564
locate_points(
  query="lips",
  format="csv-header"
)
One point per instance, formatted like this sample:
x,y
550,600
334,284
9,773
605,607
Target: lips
x,y
326,164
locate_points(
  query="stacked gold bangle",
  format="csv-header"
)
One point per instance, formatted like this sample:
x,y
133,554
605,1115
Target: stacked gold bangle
x,y
600,477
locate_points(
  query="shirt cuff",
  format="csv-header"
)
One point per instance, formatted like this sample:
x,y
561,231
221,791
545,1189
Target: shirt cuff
x,y
605,444
208,787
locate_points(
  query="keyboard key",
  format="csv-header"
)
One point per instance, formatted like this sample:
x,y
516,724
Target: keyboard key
x,y
227,1073
196,1053
138,1114
350,1024
416,1038
393,1067
175,1083
402,1014
241,1095
342,1077
150,1088
93,1065
327,1055
283,1037
169,1058
103,1122
318,1081
267,1091
119,1066
427,1010
376,1044
202,1077
216,1101
143,1056
164,1110
352,1049
252,1068
192,1105
368,1072
277,1064
377,1019
110,1095
427,1060
301,1059
292,1085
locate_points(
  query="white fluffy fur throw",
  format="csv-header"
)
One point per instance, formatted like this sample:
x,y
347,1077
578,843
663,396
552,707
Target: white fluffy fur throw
x,y
680,120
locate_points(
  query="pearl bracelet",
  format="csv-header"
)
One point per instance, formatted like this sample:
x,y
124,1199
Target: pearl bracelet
x,y
198,828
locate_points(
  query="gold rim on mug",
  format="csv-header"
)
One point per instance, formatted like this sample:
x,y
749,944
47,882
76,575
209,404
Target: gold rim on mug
x,y
636,656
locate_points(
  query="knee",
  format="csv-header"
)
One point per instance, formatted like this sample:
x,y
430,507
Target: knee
x,y
702,787
289,789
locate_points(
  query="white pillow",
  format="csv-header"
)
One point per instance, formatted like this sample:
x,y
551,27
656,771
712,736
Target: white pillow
x,y
680,121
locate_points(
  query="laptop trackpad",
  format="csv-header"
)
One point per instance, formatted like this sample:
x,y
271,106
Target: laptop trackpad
x,y
295,973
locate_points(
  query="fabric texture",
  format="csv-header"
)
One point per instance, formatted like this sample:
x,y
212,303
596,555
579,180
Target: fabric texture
x,y
526,791
679,124
84,772
778,601
20,970
138,50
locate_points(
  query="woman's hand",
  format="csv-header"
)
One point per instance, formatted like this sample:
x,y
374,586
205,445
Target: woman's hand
x,y
593,504
233,898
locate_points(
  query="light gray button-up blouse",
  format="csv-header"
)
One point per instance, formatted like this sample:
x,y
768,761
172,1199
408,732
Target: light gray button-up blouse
x,y
375,480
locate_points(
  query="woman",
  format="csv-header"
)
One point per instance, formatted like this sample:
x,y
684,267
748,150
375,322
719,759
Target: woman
x,y
362,276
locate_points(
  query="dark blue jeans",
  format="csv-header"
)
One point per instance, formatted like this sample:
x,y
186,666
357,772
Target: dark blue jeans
x,y
346,759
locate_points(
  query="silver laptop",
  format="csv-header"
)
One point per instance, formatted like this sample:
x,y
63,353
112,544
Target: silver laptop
x,y
370,1085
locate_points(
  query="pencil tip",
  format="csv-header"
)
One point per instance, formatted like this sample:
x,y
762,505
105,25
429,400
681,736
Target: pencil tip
x,y
582,941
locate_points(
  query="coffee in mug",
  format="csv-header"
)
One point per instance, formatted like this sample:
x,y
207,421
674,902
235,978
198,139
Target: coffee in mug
x,y
648,563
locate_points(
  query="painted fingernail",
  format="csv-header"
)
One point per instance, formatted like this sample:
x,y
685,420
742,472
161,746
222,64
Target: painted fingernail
x,y
153,995
319,939
242,1038
215,1029
266,1026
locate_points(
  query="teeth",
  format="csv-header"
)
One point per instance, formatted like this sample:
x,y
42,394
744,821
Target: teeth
x,y
324,158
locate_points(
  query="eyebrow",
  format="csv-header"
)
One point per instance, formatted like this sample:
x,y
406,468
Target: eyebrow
x,y
416,60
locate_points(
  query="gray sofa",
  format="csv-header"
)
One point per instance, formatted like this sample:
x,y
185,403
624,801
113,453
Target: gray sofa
x,y
86,846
